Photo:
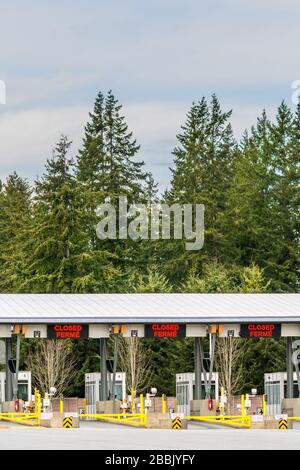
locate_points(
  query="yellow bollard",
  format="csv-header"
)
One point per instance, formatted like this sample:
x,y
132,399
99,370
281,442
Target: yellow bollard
x,y
163,404
142,408
39,409
175,405
264,405
61,406
35,400
243,408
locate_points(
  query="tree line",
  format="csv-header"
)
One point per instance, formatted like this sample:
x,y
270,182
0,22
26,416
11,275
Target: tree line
x,y
250,190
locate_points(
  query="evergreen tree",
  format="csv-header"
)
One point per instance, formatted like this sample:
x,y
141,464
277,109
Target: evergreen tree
x,y
15,217
263,212
59,256
202,174
246,217
283,260
260,357
106,169
253,280
153,281
215,278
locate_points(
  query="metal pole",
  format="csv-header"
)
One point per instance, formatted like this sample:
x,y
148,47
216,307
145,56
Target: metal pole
x,y
289,368
197,364
16,381
298,377
211,365
113,387
296,364
9,375
203,368
103,369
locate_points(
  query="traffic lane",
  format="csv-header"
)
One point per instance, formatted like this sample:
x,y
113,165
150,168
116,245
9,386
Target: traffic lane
x,y
148,439
102,425
106,425
194,425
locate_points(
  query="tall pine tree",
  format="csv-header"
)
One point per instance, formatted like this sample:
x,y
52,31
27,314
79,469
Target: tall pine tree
x,y
59,254
15,218
107,168
202,174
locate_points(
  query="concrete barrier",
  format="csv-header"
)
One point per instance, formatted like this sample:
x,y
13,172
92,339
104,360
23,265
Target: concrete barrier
x,y
266,422
291,406
162,421
106,407
9,406
55,420
200,408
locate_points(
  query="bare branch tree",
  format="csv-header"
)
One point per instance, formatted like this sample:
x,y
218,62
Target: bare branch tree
x,y
229,353
52,364
134,359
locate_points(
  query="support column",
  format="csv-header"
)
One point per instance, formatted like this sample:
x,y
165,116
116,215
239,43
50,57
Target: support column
x,y
211,365
9,375
113,388
197,363
103,369
16,377
289,368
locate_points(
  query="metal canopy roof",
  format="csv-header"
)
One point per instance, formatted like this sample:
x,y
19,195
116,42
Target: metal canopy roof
x,y
148,308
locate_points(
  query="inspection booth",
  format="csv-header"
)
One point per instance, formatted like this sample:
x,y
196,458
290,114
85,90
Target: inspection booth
x,y
93,388
276,390
24,386
185,390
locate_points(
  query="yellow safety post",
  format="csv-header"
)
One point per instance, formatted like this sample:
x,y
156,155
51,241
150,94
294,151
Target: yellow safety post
x,y
163,404
132,400
243,408
142,407
39,409
264,405
35,399
175,405
61,406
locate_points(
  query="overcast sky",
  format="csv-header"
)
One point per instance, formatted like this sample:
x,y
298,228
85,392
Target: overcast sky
x,y
156,55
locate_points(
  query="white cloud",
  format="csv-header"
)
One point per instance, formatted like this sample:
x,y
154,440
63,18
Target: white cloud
x,y
52,47
27,137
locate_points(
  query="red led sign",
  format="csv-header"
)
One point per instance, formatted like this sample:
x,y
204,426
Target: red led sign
x,y
261,330
65,331
165,330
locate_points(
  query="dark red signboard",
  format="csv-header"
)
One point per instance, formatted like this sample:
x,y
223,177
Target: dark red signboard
x,y
65,331
261,330
165,330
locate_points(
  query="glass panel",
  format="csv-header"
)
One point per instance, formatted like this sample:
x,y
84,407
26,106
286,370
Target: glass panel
x,y
182,395
23,391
